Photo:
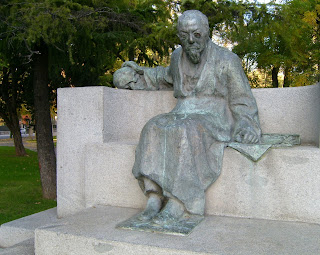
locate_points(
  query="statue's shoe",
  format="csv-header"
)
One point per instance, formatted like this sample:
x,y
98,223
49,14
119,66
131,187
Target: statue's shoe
x,y
147,214
152,209
172,212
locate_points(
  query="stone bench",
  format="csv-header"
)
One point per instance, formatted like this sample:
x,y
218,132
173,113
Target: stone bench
x,y
99,127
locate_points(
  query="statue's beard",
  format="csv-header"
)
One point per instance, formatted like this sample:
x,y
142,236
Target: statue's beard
x,y
194,54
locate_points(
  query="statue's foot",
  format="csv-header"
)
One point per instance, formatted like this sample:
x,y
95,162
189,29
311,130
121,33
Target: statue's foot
x,y
153,207
172,212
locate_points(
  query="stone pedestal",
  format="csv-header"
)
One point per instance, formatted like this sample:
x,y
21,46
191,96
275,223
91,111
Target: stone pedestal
x,y
98,131
99,128
93,232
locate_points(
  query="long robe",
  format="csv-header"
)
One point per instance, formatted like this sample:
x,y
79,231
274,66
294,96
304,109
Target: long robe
x,y
182,151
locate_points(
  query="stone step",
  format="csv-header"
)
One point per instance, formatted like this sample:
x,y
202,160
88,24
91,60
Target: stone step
x,y
93,232
23,248
17,231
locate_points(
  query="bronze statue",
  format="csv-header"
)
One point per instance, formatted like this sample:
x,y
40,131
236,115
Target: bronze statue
x,y
180,153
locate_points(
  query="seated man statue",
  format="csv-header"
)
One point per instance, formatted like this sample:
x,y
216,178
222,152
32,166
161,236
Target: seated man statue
x,y
180,153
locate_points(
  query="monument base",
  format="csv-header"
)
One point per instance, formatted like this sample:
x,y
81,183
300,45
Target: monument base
x,y
94,232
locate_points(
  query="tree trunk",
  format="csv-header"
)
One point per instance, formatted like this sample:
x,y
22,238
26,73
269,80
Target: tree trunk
x,y
13,124
275,81
17,139
286,82
131,54
9,113
45,146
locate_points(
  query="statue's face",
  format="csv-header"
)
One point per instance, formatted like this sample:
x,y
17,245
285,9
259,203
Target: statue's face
x,y
193,38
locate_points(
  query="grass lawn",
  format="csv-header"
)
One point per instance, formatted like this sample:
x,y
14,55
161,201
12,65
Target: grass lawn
x,y
20,187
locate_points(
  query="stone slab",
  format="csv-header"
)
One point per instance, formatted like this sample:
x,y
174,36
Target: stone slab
x,y
127,111
96,115
108,177
93,232
280,109
17,231
23,248
293,110
80,122
283,185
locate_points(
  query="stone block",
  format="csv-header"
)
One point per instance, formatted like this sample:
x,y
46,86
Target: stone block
x,y
23,248
108,179
80,114
290,111
93,232
283,185
17,231
99,128
127,111
97,115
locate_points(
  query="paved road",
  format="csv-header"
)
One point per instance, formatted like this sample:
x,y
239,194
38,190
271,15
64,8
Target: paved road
x,y
8,136
28,144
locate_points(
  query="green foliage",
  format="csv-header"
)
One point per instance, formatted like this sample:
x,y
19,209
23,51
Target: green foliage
x,y
20,188
15,83
269,36
86,38
154,43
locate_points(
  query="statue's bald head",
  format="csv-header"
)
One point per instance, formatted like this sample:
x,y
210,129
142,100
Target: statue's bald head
x,y
193,15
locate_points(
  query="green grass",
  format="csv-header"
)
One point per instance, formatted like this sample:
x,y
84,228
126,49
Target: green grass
x,y
20,187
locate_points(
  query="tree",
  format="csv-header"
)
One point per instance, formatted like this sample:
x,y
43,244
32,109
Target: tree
x,y
309,17
275,37
74,43
14,78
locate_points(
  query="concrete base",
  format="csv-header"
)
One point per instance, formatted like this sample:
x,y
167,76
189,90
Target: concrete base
x,y
283,185
17,237
93,232
95,154
17,231
23,248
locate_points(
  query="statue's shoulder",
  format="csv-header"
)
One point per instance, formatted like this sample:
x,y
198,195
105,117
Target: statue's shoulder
x,y
176,53
224,52
224,55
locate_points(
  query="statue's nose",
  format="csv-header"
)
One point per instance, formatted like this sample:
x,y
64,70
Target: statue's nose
x,y
191,38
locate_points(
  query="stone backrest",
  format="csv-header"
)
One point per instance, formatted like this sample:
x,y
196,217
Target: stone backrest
x,y
284,110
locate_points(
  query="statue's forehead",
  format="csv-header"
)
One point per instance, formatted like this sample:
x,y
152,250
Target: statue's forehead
x,y
190,24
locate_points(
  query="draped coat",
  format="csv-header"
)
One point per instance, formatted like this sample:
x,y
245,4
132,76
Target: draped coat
x,y
182,151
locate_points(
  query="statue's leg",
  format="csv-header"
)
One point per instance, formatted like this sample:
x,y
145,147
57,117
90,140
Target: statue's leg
x,y
155,198
172,211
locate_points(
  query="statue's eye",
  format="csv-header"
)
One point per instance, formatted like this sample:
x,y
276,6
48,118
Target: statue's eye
x,y
183,35
197,35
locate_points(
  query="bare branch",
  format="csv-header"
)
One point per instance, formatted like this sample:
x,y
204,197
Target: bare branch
x,y
32,52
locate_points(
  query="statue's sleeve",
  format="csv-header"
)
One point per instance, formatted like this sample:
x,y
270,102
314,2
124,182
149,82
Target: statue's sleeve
x,y
241,101
158,78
